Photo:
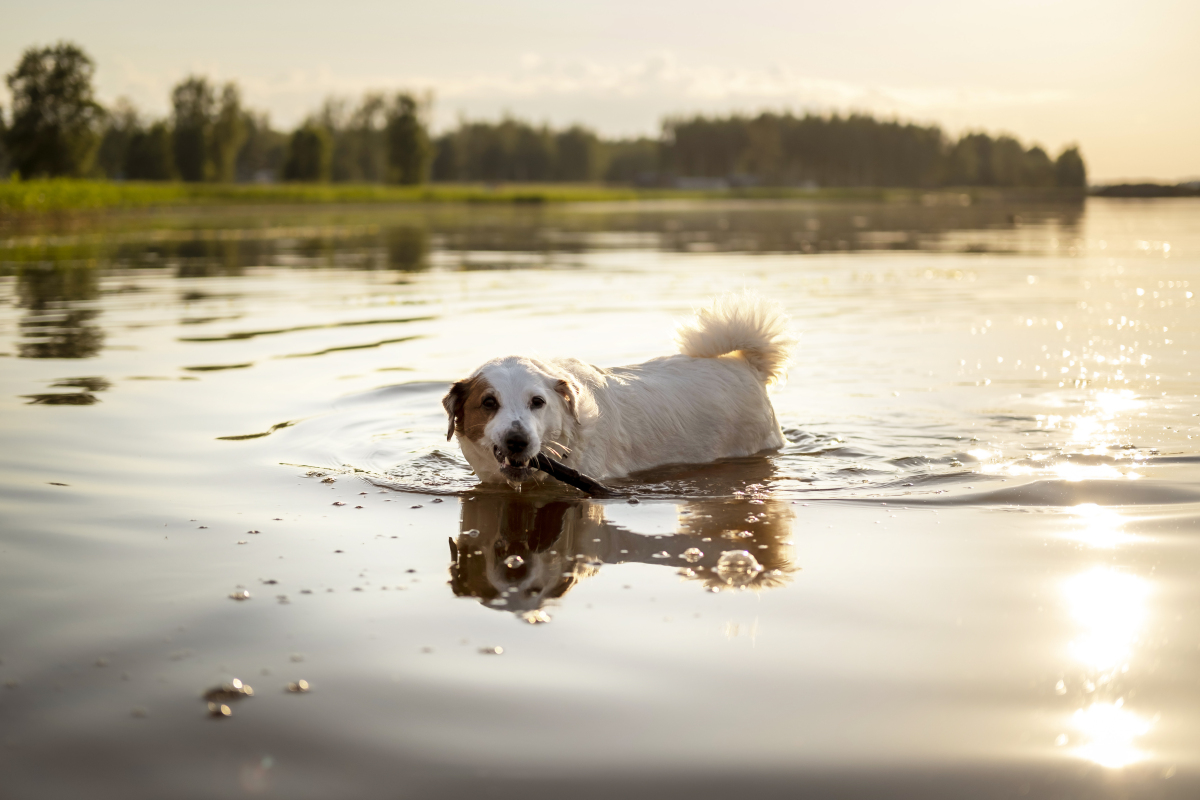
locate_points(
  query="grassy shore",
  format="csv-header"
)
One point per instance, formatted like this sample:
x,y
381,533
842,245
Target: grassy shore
x,y
52,196
73,195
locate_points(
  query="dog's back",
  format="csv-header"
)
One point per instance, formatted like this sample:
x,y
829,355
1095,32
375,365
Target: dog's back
x,y
709,402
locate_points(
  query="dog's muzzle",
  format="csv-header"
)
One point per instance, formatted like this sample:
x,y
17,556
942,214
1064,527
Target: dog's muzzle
x,y
514,456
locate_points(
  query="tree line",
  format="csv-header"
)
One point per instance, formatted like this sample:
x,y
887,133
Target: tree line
x,y
57,128
857,150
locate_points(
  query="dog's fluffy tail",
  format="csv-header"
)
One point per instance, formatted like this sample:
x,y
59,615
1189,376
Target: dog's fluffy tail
x,y
743,323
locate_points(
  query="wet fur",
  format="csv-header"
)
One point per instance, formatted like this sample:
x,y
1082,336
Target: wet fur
x,y
708,402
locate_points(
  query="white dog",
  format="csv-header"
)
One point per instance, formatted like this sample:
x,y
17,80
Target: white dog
x,y
708,402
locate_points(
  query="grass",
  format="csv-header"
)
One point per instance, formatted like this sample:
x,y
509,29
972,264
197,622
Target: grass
x,y
63,195
41,196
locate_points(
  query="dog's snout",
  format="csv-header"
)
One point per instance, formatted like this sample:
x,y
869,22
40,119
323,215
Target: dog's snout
x,y
516,442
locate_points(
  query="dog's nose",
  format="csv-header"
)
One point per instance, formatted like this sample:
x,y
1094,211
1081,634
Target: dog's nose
x,y
516,442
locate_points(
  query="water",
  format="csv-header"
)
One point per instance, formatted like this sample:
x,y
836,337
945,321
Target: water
x,y
737,567
978,549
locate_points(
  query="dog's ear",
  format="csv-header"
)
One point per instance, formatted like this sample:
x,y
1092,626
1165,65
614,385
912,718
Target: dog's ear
x,y
453,403
569,391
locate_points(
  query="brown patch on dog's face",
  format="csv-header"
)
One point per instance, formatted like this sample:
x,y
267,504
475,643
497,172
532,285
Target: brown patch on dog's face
x,y
471,403
479,408
453,403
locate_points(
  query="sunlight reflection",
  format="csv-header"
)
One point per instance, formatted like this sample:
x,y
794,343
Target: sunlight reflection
x,y
1098,431
1111,730
1071,471
1113,403
1098,428
1074,472
1110,607
1101,526
1086,429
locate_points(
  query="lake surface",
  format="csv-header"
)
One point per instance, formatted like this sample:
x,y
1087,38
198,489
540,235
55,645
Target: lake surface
x,y
980,547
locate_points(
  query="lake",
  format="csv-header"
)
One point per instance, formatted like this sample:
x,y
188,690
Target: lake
x,y
980,546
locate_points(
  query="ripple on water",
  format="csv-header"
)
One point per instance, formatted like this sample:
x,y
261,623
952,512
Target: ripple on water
x,y
361,437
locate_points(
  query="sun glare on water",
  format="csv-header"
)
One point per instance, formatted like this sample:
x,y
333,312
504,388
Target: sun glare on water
x,y
1100,427
1112,730
1099,526
1111,403
1110,610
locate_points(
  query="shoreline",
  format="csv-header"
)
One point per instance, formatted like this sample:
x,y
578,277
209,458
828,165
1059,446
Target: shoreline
x,y
43,197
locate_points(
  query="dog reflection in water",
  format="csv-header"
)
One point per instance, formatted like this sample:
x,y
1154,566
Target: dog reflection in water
x,y
519,552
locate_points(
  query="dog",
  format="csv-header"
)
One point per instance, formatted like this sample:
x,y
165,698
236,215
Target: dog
x,y
707,402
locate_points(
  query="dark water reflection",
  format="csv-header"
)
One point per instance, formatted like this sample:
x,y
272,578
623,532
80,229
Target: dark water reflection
x,y
517,552
57,269
54,326
85,396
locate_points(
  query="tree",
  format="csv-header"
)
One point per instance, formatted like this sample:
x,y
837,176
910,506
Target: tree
x,y
533,155
121,124
309,154
975,151
705,147
3,150
577,155
261,157
446,159
633,161
409,154
55,117
1069,170
359,138
963,166
368,133
150,156
1008,158
764,148
192,103
228,134
1038,168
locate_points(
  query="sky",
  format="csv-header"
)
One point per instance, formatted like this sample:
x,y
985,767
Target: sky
x,y
1120,79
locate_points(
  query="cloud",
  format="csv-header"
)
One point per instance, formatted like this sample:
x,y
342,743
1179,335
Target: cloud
x,y
616,99
681,88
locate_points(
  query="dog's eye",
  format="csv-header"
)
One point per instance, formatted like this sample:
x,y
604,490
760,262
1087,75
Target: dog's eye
x,y
537,402
490,402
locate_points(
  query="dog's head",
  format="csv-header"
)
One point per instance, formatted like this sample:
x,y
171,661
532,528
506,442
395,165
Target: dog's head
x,y
508,412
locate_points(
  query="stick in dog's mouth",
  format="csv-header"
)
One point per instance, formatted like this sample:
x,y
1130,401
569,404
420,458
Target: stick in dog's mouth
x,y
571,477
515,470
518,471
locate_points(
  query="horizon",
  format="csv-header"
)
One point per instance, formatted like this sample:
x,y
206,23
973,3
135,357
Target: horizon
x,y
622,69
